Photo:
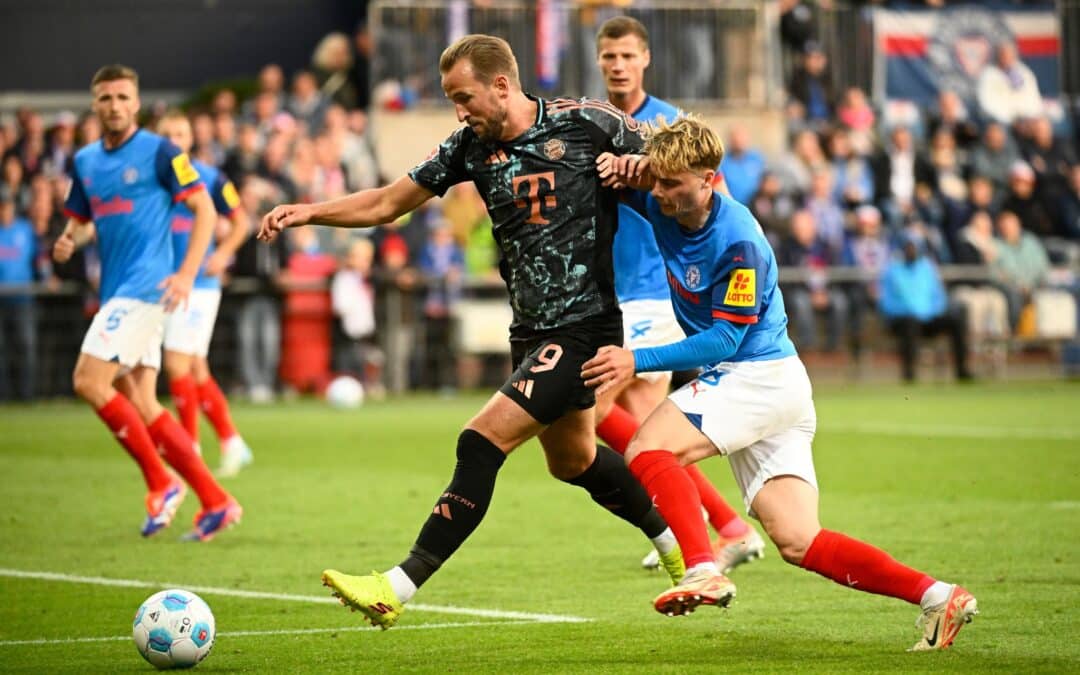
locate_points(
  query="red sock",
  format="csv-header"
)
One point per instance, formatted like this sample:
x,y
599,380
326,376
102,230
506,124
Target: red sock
x,y
863,567
179,452
216,407
186,399
124,421
678,501
721,516
617,428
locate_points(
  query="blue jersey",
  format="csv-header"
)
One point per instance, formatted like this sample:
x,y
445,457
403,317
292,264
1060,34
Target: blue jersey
x,y
225,199
639,269
128,192
18,248
726,271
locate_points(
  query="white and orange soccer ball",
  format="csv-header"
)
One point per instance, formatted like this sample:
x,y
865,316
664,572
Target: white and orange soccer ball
x,y
174,629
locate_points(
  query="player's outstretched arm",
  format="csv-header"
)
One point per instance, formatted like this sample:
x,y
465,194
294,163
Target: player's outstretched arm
x,y
366,208
75,236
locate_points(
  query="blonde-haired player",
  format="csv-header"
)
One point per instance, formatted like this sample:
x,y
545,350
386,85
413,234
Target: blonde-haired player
x,y
753,401
188,330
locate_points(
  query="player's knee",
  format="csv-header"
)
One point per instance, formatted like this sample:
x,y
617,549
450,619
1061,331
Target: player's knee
x,y
87,387
792,546
475,450
568,468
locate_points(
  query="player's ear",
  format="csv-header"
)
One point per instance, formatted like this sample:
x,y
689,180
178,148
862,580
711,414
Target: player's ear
x,y
708,177
501,83
646,58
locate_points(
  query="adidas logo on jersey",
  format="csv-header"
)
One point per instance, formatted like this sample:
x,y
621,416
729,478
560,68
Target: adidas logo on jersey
x,y
524,386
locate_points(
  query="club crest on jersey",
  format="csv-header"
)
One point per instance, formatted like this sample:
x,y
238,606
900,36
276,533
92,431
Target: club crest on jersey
x,y
131,174
742,288
554,149
693,276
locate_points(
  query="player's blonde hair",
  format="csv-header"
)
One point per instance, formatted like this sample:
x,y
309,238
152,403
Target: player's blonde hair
x,y
113,72
687,144
172,115
489,55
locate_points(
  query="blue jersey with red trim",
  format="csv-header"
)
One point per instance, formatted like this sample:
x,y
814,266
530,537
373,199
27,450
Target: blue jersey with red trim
x,y
128,192
639,269
726,271
223,192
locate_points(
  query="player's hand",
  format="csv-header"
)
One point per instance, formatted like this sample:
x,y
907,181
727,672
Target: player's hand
x,y
64,248
611,368
623,170
285,215
216,263
177,288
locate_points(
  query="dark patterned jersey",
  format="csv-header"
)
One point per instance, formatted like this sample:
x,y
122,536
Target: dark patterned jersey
x,y
552,220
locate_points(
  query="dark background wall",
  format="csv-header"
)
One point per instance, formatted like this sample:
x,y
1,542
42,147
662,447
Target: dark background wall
x,y
48,45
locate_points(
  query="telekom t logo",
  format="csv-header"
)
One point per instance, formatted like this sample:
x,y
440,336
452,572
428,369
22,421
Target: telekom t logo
x,y
530,198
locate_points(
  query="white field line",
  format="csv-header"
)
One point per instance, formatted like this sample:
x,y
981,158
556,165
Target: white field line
x,y
953,431
258,633
286,597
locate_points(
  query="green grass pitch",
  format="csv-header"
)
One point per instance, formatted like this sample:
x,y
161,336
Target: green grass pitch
x,y
979,485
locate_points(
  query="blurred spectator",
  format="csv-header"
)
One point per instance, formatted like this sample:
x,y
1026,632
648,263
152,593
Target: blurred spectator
x,y
826,210
225,132
858,118
258,321
18,316
742,165
986,305
274,167
1007,89
1069,224
853,180
306,103
61,144
995,156
948,166
1051,161
798,27
205,146
243,160
264,109
806,301
89,129
348,131
361,70
442,263
1021,264
13,178
356,351
224,103
306,316
811,87
332,63
952,116
772,208
868,252
981,197
271,91
898,168
330,180
30,147
1024,202
914,305
796,167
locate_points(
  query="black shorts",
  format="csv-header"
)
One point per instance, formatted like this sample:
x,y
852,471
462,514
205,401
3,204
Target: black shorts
x,y
547,382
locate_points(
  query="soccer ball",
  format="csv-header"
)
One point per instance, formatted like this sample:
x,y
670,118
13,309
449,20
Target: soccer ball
x,y
345,392
174,629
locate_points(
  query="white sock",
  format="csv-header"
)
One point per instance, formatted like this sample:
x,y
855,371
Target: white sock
x,y
665,542
937,594
403,586
706,567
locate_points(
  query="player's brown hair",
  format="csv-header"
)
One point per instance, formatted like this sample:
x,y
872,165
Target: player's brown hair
x,y
112,72
170,115
621,26
687,144
489,56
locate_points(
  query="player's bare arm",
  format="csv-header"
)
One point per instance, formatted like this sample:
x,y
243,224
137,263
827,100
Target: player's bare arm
x,y
366,208
75,236
177,287
611,368
624,171
238,234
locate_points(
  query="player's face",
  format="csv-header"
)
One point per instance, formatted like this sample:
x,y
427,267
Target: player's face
x,y
178,131
622,62
116,102
481,106
682,194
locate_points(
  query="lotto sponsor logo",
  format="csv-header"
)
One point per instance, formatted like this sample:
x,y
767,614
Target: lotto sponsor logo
x,y
185,172
742,289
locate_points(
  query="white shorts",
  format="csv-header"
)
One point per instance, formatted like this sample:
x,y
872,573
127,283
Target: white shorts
x,y
758,413
128,332
189,331
650,323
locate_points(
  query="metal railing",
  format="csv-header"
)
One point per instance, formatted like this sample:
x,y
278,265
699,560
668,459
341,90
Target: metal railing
x,y
714,51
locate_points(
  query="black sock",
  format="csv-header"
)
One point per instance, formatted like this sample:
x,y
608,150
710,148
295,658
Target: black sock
x,y
611,485
460,508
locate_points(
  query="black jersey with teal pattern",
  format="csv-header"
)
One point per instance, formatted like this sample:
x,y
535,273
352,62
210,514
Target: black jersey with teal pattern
x,y
552,220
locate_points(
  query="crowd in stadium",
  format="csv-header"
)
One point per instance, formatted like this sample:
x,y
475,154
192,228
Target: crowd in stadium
x,y
990,183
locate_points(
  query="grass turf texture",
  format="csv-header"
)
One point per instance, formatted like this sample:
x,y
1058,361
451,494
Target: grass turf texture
x,y
979,485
